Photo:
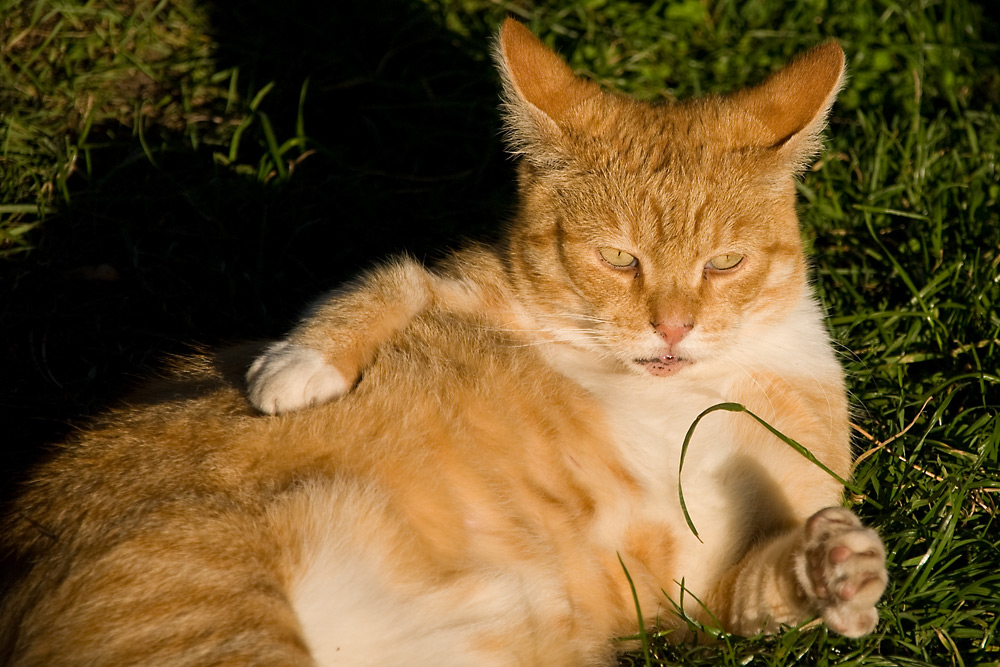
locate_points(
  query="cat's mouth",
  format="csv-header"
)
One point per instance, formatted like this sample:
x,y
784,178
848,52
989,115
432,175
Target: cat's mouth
x,y
664,365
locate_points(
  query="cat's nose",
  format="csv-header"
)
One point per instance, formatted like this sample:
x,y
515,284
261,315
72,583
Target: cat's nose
x,y
672,333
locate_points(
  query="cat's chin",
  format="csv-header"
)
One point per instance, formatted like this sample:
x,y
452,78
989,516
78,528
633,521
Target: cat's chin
x,y
664,366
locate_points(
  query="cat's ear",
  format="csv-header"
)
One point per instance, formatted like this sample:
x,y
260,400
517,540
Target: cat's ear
x,y
790,107
542,95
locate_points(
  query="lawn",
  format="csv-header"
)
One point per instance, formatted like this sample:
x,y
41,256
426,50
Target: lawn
x,y
179,172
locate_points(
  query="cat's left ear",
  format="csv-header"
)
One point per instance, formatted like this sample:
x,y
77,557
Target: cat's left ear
x,y
790,107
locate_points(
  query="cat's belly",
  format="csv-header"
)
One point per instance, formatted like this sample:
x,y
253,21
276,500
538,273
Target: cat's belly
x,y
364,596
505,528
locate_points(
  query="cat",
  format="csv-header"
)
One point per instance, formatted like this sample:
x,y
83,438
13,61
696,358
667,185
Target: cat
x,y
478,464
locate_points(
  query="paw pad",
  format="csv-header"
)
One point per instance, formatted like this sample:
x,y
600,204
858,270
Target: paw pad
x,y
845,568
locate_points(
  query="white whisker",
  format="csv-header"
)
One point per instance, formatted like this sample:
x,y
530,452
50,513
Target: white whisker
x,y
731,358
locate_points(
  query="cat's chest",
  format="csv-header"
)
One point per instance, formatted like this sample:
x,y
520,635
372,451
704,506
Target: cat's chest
x,y
648,419
647,423
650,427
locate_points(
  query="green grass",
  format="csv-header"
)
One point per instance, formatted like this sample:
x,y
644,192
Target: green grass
x,y
181,171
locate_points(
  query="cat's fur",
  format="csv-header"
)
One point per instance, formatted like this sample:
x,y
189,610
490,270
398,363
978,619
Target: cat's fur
x,y
514,437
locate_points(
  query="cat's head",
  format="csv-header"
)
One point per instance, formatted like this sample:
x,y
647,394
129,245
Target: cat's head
x,y
659,235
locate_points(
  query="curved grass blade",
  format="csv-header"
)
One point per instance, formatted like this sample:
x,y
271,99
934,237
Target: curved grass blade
x,y
739,407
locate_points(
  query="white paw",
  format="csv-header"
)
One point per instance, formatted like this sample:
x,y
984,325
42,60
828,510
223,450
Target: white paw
x,y
290,377
845,570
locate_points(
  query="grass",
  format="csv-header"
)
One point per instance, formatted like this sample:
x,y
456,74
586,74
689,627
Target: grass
x,y
177,171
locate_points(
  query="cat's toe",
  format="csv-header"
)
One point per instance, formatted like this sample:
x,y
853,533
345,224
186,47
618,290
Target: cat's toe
x,y
845,564
290,377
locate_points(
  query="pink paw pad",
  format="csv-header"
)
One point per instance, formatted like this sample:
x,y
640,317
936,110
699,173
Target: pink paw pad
x,y
845,565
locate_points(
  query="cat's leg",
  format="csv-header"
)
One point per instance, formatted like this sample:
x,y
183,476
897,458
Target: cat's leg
x,y
324,355
831,566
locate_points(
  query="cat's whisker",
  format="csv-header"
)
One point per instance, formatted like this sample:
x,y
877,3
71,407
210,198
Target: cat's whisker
x,y
593,334
540,318
823,387
566,337
574,316
590,333
732,359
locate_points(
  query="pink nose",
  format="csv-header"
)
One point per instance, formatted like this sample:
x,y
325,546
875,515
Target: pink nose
x,y
672,333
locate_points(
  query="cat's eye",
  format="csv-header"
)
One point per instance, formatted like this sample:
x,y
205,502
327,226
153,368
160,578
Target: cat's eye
x,y
618,258
725,262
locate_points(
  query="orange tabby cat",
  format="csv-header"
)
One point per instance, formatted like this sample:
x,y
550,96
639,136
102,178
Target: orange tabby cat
x,y
514,437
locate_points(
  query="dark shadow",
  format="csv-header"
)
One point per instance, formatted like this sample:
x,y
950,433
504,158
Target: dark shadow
x,y
150,259
199,374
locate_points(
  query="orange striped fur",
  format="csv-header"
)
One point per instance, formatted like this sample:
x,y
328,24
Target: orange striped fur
x,y
455,463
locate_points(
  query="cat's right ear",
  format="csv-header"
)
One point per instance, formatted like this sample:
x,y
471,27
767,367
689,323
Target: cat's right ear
x,y
542,95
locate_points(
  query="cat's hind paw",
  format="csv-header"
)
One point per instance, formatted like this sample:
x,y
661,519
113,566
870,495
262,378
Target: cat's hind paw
x,y
289,377
845,569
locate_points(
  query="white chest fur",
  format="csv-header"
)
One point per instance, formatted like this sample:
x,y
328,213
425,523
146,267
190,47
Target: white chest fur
x,y
722,479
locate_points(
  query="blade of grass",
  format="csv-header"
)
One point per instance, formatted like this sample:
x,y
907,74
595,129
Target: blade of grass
x,y
738,407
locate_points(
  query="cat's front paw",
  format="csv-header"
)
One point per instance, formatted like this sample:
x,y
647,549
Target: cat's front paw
x,y
289,377
845,570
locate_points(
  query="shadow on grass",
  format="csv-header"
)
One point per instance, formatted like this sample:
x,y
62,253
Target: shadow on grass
x,y
150,258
